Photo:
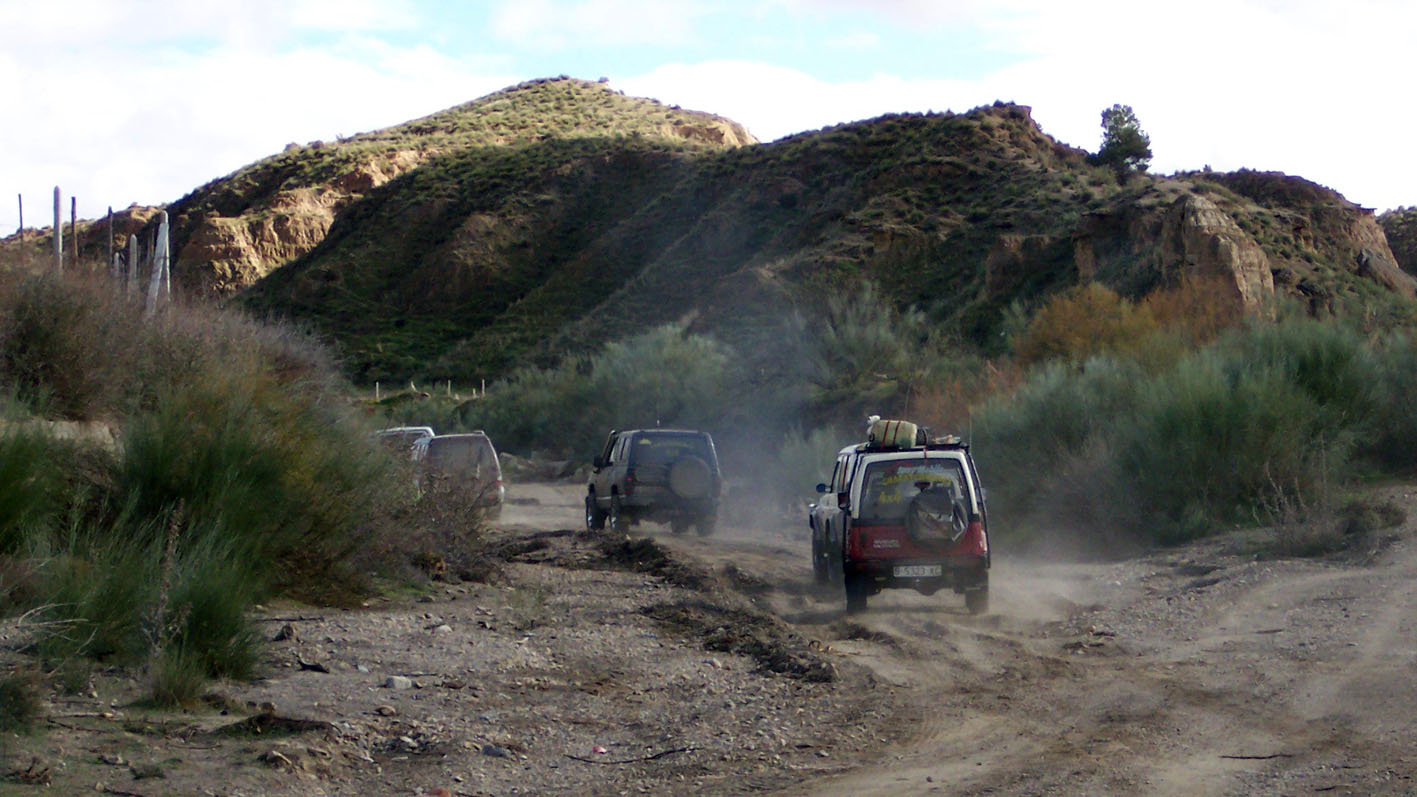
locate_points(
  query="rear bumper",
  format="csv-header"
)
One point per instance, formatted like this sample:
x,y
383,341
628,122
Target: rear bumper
x,y
926,575
653,503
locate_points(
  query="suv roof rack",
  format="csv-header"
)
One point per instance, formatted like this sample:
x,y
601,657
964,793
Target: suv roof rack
x,y
916,438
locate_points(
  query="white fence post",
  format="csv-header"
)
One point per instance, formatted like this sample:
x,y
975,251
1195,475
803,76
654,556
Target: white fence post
x,y
58,234
131,267
159,266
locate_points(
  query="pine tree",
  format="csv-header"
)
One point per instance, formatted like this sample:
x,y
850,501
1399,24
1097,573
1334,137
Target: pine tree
x,y
1124,146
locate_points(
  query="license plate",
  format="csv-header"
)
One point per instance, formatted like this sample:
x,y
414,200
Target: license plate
x,y
917,571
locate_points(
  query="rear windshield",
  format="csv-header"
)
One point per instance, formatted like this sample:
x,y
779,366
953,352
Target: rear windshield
x,y
402,439
662,449
469,454
890,485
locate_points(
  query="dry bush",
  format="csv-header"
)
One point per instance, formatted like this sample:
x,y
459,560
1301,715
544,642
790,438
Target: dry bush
x,y
438,534
1199,307
1092,319
1304,520
1078,323
947,406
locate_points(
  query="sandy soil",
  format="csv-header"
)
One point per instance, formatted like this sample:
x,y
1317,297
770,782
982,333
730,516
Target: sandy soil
x,y
603,667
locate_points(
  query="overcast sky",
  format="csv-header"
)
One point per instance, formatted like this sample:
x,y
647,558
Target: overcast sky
x,y
121,101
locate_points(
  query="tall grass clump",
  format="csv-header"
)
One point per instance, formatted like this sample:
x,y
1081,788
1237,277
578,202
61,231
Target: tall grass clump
x,y
239,473
31,485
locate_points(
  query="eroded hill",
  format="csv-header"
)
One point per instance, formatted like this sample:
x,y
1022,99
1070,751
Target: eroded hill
x,y
484,259
555,215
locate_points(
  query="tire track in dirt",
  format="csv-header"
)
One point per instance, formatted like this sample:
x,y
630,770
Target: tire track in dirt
x,y
1193,670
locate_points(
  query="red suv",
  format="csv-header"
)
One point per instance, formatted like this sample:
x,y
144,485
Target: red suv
x,y
903,511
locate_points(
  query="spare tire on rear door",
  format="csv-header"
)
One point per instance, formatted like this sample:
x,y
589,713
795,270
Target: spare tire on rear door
x,y
935,517
691,478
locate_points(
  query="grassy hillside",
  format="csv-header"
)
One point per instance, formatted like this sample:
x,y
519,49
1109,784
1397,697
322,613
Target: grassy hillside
x,y
1400,226
478,260
524,251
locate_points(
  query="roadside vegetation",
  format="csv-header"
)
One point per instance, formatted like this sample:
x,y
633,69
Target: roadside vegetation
x,y
160,476
1111,422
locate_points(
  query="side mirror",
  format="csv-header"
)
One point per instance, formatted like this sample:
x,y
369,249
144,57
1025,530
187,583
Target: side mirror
x,y
597,463
821,487
843,500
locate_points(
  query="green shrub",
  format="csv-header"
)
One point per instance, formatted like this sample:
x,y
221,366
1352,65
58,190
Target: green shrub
x,y
20,705
665,376
1208,442
861,355
31,483
284,476
1267,412
1392,441
177,679
240,472
1327,361
1050,418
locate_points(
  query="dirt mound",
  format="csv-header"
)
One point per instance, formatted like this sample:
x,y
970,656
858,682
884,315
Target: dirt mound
x,y
768,640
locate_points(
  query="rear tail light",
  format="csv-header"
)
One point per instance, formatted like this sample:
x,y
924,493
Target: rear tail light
x,y
975,542
629,481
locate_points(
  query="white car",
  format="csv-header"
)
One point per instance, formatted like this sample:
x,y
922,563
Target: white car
x,y
461,463
402,439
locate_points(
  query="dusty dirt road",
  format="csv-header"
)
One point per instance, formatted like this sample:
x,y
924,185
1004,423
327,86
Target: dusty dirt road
x,y
1197,670
600,667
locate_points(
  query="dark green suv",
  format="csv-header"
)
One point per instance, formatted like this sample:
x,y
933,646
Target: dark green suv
x,y
664,475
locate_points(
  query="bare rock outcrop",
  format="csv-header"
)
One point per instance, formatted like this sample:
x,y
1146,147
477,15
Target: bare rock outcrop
x,y
1208,243
719,132
226,253
1138,246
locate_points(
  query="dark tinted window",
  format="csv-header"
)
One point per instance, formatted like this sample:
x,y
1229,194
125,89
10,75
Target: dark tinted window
x,y
464,454
660,449
890,485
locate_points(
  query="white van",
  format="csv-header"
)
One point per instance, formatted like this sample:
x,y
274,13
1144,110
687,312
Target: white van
x,y
461,462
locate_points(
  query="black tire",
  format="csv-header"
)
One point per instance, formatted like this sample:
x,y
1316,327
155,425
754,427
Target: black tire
x,y
821,573
680,525
706,525
618,521
857,590
594,515
976,600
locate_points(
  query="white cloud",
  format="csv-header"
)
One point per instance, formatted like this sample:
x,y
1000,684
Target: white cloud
x,y
1306,88
774,101
80,24
859,40
144,100
549,25
175,120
